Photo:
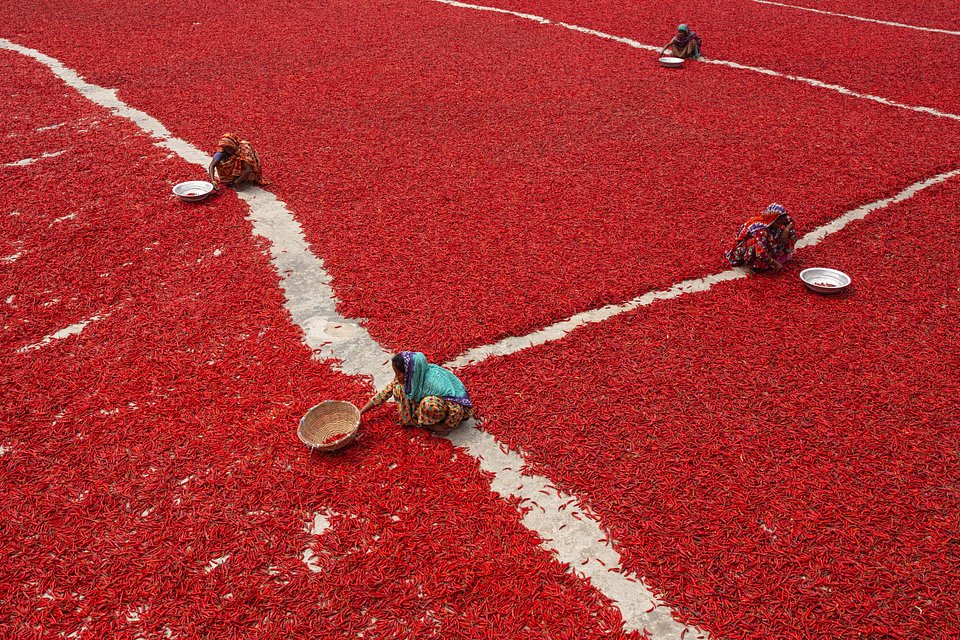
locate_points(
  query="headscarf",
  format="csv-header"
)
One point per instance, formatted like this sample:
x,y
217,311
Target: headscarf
x,y
688,35
422,379
229,141
762,222
243,155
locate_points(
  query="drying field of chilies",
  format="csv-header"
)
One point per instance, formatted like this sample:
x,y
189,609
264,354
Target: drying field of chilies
x,y
521,320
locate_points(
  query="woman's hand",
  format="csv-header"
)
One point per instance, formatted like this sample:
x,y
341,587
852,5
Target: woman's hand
x,y
366,408
245,174
785,233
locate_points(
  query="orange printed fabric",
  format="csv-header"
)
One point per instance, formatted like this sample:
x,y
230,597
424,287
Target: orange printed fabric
x,y
243,155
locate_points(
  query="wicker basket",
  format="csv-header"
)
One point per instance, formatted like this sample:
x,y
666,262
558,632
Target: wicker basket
x,y
320,425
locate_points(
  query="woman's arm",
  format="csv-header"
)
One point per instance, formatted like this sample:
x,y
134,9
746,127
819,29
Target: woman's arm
x,y
785,234
380,398
762,252
767,256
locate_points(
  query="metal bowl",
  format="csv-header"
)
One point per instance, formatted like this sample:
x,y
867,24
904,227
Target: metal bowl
x,y
193,190
827,281
670,61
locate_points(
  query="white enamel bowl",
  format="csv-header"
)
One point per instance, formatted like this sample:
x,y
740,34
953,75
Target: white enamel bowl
x,y
670,61
193,190
828,281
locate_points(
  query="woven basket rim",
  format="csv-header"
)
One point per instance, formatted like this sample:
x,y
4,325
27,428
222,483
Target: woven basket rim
x,y
348,436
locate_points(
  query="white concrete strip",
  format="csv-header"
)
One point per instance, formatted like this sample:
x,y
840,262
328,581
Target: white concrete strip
x,y
66,332
311,301
69,216
574,536
725,63
13,257
310,298
860,18
28,161
835,87
607,36
480,7
51,127
560,329
818,234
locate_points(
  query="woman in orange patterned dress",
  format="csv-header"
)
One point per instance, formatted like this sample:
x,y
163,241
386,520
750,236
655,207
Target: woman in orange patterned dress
x,y
235,162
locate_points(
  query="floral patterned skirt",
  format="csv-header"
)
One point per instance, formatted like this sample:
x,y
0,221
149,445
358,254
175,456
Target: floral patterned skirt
x,y
433,413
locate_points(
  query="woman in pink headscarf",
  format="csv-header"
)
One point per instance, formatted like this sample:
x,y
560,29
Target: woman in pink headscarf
x,y
764,242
